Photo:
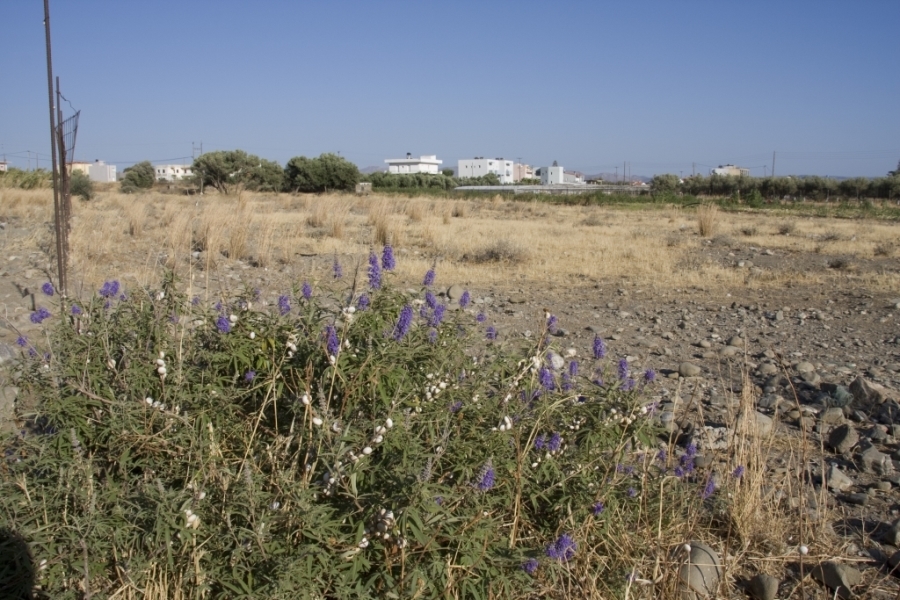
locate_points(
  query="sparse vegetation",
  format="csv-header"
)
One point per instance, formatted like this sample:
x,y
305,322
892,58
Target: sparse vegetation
x,y
707,219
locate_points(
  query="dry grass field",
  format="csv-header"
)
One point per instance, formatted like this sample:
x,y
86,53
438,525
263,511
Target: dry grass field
x,y
489,241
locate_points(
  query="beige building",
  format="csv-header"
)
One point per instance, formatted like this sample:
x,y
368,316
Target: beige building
x,y
730,170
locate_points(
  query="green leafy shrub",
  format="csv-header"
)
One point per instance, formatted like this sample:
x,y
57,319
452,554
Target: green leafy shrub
x,y
81,185
140,176
346,445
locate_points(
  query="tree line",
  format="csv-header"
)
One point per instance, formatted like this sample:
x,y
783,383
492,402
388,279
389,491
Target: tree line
x,y
811,187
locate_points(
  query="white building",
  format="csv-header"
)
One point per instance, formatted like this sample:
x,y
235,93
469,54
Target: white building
x,y
480,166
3,166
172,172
730,170
102,172
573,177
428,163
554,175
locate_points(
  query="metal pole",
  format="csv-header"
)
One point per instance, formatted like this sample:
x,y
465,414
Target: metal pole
x,y
60,257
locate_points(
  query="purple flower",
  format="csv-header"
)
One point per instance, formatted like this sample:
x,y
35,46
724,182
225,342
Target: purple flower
x,y
599,347
573,368
195,300
387,259
632,492
306,290
552,325
332,343
709,489
679,472
491,333
284,305
256,294
623,369
438,315
21,341
39,315
738,472
429,278
530,566
363,302
404,322
76,310
456,406
546,378
691,449
464,299
486,477
374,271
481,317
628,385
430,299
223,324
218,306
597,508
540,441
110,289
47,288
563,549
432,336
336,269
554,443
249,376
649,375
661,455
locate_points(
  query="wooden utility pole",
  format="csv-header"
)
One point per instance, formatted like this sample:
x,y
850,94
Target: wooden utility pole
x,y
57,212
773,163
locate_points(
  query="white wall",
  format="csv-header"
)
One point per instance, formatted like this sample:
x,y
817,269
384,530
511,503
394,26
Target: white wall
x,y
102,172
552,175
477,167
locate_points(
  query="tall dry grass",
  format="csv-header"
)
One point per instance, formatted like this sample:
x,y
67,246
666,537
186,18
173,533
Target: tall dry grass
x,y
707,219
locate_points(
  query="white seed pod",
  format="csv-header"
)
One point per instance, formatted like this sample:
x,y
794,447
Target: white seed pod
x,y
252,335
162,354
317,421
804,550
388,423
378,439
443,385
367,450
201,495
111,363
336,427
160,362
149,400
233,319
305,399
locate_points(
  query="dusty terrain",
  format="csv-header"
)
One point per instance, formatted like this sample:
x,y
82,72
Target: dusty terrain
x,y
801,305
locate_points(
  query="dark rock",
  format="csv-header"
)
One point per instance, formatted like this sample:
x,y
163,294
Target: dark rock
x,y
858,499
699,573
843,438
763,587
838,577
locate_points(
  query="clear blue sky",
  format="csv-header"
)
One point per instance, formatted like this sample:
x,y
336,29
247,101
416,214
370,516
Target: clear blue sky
x,y
661,84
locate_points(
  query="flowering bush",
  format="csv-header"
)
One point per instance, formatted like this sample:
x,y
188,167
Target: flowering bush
x,y
251,450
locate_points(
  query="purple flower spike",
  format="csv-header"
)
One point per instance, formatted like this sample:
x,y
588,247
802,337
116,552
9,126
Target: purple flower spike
x,y
464,299
363,302
430,299
404,322
552,324
76,310
530,566
709,489
456,406
481,317
374,271
623,369
223,324
306,290
429,278
21,341
599,347
249,376
486,477
540,442
39,315
110,289
47,288
491,333
597,509
387,259
332,343
738,472
336,268
555,442
573,368
438,315
284,305
546,378
649,375
563,549
432,336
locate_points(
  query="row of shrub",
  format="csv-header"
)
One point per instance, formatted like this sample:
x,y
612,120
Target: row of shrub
x,y
812,187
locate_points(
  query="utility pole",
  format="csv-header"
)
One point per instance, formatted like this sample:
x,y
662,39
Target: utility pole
x,y
773,163
693,169
623,172
60,250
194,149
617,174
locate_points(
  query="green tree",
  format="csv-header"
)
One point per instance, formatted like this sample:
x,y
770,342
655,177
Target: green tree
x,y
664,184
327,172
230,171
447,172
81,185
138,177
895,173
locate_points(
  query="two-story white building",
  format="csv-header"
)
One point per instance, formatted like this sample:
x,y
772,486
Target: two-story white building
x,y
101,172
480,166
554,175
427,163
172,172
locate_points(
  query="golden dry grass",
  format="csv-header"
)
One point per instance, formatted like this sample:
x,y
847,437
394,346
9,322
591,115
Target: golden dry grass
x,y
558,245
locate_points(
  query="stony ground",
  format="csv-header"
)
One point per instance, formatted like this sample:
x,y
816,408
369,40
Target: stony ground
x,y
823,363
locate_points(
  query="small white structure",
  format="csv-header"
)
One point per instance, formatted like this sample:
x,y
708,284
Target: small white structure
x,y
573,177
730,170
554,175
480,166
3,166
102,172
172,172
427,163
